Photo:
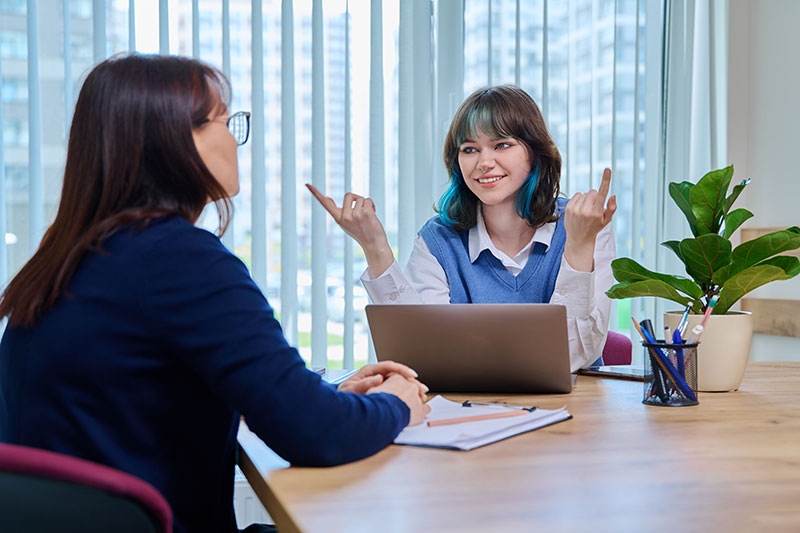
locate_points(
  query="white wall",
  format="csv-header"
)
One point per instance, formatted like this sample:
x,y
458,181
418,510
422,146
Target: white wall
x,y
764,131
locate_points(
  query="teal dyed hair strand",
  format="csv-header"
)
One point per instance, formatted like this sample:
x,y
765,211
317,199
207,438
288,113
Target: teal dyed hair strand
x,y
451,199
480,119
525,195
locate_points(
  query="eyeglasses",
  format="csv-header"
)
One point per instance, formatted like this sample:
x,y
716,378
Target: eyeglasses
x,y
239,126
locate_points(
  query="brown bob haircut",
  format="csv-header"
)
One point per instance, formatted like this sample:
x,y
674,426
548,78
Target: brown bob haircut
x,y
131,158
499,112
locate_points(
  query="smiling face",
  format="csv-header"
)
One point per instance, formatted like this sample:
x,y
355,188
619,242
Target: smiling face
x,y
499,132
494,169
217,148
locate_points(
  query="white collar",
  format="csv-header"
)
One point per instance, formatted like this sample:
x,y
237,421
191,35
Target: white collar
x,y
479,240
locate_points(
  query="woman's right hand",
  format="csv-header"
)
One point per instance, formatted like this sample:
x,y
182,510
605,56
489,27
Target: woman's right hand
x,y
410,391
358,219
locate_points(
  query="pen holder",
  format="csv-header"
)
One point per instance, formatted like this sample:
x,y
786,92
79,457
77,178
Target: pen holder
x,y
670,374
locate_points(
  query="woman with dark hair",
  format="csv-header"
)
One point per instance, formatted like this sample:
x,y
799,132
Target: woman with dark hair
x,y
136,340
502,234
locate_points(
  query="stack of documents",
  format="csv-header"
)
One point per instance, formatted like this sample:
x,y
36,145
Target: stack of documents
x,y
473,434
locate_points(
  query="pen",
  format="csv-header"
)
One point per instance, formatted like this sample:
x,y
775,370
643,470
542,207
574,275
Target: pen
x,y
684,321
671,372
697,331
676,339
470,403
658,378
667,366
647,326
476,418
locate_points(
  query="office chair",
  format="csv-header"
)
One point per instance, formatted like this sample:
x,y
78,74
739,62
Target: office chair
x,y
43,491
617,350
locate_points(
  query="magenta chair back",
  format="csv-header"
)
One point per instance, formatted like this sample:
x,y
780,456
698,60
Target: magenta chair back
x,y
43,491
618,349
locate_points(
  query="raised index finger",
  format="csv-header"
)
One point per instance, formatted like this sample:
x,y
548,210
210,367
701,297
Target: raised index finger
x,y
605,185
327,202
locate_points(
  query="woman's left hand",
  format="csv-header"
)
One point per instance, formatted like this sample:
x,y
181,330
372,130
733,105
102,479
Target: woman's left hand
x,y
586,214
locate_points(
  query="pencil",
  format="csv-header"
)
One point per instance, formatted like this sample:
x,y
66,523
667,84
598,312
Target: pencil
x,y
659,379
475,418
670,371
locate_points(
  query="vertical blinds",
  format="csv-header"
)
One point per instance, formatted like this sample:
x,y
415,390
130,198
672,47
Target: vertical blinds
x,y
35,206
3,197
289,308
348,96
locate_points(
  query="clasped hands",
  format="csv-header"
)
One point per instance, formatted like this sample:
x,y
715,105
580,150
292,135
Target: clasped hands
x,y
393,378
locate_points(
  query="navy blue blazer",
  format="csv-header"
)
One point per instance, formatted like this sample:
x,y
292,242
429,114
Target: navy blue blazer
x,y
161,344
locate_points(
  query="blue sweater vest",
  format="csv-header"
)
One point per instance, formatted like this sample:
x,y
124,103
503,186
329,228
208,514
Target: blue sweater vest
x,y
487,280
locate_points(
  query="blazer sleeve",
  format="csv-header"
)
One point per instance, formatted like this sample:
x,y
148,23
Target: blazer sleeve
x,y
201,300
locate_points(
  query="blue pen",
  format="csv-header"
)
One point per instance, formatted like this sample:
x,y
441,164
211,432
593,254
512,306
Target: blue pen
x,y
676,339
684,321
677,379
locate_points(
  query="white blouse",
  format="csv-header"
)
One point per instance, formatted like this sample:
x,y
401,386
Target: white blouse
x,y
582,293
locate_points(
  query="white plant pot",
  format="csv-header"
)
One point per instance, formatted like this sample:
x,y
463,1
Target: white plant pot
x,y
724,348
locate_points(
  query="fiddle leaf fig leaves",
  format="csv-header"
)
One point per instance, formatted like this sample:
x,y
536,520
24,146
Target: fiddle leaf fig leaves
x,y
733,220
777,268
681,194
708,197
649,287
704,255
675,246
737,190
625,269
710,260
753,252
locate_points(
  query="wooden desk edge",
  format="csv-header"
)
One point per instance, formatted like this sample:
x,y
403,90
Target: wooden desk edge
x,y
268,498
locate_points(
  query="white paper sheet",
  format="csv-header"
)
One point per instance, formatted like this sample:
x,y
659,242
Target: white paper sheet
x,y
469,435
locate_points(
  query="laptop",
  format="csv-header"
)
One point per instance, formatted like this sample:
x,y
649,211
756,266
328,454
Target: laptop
x,y
502,348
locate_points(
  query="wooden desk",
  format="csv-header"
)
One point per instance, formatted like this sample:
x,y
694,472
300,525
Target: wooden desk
x,y
731,463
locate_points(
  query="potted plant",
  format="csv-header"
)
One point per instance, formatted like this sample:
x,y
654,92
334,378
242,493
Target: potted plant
x,y
714,268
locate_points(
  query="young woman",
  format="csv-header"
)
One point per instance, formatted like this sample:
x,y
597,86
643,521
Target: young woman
x,y
502,233
137,340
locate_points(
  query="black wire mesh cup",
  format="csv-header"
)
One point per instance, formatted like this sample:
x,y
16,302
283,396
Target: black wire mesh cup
x,y
670,374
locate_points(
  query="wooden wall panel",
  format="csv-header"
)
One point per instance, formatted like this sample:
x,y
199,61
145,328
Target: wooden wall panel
x,y
774,317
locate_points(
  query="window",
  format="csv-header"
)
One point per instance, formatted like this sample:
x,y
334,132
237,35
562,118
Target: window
x,y
592,116
15,132
81,8
14,44
572,79
16,178
13,6
14,90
